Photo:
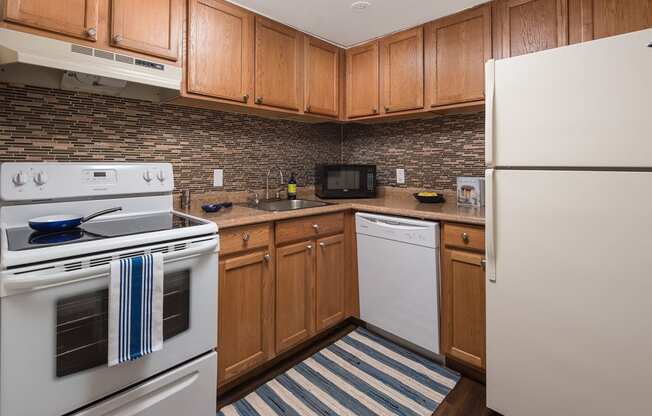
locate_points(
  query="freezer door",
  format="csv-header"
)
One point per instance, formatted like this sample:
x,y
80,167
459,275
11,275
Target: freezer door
x,y
582,105
569,317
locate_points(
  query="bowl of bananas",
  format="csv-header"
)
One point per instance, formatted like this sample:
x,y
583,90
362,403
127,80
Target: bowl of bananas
x,y
429,197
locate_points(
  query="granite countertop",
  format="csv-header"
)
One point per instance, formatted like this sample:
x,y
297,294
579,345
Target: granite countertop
x,y
391,201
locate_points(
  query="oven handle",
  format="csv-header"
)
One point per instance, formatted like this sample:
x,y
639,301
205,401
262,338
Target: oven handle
x,y
25,283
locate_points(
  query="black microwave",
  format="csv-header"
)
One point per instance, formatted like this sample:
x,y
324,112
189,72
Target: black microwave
x,y
345,181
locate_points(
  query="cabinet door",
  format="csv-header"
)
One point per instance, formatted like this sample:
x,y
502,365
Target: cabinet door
x,y
246,309
595,19
151,27
528,26
362,80
463,296
220,50
294,294
279,65
78,18
322,81
401,71
329,281
457,49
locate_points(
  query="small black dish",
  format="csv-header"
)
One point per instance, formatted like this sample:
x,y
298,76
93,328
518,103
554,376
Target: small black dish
x,y
430,199
211,207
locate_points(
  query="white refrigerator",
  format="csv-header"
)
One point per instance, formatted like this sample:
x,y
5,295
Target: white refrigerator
x,y
569,230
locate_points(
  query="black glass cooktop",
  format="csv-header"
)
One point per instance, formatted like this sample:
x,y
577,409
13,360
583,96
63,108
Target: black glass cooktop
x,y
24,238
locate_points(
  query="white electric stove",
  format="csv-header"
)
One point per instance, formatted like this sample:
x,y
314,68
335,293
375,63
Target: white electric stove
x,y
53,292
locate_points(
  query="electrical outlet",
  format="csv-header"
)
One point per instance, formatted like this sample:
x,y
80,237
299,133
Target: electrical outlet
x,y
218,178
400,176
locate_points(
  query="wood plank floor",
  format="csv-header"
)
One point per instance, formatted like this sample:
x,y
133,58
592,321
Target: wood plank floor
x,y
467,398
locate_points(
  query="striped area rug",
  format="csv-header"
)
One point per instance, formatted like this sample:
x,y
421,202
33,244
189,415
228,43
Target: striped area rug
x,y
361,374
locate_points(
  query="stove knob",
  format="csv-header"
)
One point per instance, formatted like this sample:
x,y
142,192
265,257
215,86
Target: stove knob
x,y
41,178
160,176
19,179
148,176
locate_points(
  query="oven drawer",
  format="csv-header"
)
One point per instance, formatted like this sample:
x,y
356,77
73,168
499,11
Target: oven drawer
x,y
244,238
168,394
309,227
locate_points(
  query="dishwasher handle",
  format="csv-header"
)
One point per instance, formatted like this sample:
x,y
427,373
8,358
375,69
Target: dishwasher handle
x,y
394,224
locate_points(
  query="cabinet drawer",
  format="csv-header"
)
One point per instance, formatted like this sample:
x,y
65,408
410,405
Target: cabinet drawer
x,y
309,227
464,237
237,239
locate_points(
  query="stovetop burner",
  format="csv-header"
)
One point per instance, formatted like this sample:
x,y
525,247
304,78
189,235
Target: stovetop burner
x,y
24,238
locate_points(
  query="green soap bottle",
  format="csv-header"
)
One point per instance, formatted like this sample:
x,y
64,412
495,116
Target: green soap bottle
x,y
292,187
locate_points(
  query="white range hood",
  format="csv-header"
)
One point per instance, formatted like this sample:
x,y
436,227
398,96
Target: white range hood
x,y
45,62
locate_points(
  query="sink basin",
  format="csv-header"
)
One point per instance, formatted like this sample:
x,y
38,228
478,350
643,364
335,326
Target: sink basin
x,y
288,205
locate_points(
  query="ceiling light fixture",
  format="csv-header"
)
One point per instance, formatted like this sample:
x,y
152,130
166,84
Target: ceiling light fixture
x,y
360,5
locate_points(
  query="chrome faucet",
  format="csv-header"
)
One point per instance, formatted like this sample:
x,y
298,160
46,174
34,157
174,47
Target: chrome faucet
x,y
282,183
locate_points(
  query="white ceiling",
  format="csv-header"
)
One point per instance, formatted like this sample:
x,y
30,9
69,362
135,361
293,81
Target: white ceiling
x,y
337,22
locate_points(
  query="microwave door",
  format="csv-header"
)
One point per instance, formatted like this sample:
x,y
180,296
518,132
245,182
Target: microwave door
x,y
345,180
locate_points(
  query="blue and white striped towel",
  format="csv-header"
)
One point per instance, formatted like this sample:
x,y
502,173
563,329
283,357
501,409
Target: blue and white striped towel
x,y
135,307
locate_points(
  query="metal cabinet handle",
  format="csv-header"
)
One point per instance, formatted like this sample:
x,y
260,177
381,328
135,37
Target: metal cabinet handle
x,y
375,110
322,245
259,100
267,257
91,32
309,247
245,98
246,237
483,264
387,109
117,39
465,238
316,227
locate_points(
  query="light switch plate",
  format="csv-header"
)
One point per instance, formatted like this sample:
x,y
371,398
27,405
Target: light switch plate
x,y
400,176
218,177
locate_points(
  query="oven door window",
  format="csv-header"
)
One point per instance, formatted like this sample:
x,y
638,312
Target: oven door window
x,y
345,180
82,323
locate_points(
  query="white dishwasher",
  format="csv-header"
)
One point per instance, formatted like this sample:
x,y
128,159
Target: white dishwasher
x,y
398,271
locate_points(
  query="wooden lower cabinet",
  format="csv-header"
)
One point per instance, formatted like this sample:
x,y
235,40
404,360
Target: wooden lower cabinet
x,y
246,311
294,299
280,284
329,282
463,298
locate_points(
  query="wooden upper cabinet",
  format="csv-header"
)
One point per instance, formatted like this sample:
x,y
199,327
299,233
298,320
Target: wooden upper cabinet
x,y
294,299
220,50
329,282
362,97
401,71
322,80
457,48
152,27
526,26
595,19
278,65
246,311
78,18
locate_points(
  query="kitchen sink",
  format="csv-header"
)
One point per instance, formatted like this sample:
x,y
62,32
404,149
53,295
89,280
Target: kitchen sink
x,y
287,204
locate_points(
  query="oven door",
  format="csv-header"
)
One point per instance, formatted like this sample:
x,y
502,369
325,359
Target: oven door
x,y
54,326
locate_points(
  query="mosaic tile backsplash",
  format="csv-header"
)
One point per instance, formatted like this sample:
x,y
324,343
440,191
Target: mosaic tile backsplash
x,y
433,151
51,125
38,124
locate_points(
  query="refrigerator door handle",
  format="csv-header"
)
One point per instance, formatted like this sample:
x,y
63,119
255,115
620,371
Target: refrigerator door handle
x,y
490,226
489,95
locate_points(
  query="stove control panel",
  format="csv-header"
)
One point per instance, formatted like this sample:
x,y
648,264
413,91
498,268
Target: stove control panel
x,y
24,181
